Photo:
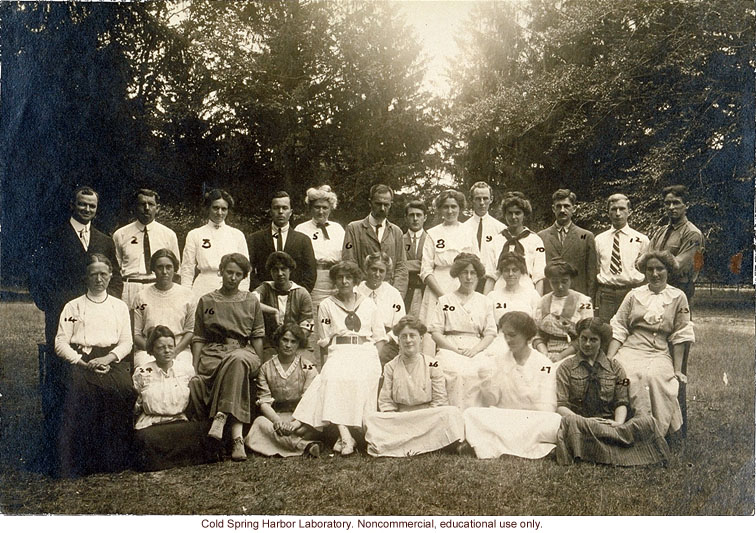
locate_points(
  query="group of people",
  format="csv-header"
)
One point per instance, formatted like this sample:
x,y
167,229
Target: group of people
x,y
479,337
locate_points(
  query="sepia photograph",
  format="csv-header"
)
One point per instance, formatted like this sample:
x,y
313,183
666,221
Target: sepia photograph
x,y
377,264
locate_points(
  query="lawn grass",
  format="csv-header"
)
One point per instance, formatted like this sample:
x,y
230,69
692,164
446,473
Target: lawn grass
x,y
712,472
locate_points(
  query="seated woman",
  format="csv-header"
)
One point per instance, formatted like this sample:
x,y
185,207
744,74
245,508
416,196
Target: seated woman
x,y
415,416
164,435
346,390
94,335
280,385
521,420
226,349
387,299
592,396
164,303
462,326
513,295
281,299
650,319
559,311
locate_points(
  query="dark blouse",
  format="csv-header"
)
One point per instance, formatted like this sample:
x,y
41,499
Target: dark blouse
x,y
575,375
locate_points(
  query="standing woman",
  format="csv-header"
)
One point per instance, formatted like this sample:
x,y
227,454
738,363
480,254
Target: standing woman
x,y
164,303
462,326
327,238
227,350
516,238
94,335
206,245
346,390
444,243
650,320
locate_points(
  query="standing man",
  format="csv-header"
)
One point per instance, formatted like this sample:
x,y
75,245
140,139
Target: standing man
x,y
571,243
136,242
280,237
482,225
680,237
415,214
617,250
57,277
375,233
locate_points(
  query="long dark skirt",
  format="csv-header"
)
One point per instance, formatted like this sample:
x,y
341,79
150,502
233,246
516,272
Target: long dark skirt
x,y
175,444
636,442
230,388
96,433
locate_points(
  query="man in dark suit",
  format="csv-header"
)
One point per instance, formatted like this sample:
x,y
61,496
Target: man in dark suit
x,y
415,214
279,236
571,243
57,277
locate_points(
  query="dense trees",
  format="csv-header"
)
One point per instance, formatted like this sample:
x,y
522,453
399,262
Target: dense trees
x,y
262,95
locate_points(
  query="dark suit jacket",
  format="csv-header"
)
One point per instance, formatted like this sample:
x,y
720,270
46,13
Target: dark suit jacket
x,y
298,246
59,267
579,250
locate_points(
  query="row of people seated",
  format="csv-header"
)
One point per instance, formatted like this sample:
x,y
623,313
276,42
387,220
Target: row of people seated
x,y
228,331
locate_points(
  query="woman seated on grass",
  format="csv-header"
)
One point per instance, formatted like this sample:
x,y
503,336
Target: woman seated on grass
x,y
94,335
345,391
280,385
462,326
415,416
592,396
281,299
559,311
164,435
521,392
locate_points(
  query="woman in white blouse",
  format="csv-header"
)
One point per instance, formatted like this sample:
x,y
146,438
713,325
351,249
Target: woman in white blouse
x,y
94,335
207,244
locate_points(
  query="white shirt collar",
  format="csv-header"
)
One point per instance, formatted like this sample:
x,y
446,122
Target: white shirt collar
x,y
78,226
373,222
415,234
275,229
214,225
141,226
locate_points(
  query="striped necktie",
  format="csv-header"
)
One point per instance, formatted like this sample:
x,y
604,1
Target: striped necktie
x,y
615,266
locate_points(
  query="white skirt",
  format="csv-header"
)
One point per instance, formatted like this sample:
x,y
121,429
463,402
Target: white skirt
x,y
206,282
493,432
346,391
465,375
448,284
263,439
401,434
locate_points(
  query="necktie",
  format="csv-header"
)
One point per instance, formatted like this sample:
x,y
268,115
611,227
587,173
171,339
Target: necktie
x,y
374,296
323,230
615,266
147,252
279,241
592,404
562,234
480,233
84,236
669,231
414,246
378,232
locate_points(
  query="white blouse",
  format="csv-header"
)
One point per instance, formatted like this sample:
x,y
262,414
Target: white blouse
x,y
388,300
443,244
91,324
325,249
163,396
173,308
204,248
332,316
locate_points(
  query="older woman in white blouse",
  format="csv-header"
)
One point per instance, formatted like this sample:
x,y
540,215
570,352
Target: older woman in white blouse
x,y
94,335
206,245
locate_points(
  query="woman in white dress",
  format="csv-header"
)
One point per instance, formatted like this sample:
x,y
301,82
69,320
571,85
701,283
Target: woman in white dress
x,y
559,312
388,300
350,327
462,326
522,419
513,295
516,238
164,303
444,242
206,245
414,413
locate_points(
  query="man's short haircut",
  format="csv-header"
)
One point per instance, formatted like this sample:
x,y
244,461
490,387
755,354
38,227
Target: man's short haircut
x,y
147,192
280,194
380,188
481,185
617,197
86,190
416,204
681,191
218,194
564,194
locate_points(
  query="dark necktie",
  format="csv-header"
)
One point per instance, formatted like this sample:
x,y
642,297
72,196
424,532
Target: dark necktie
x,y
592,405
615,266
279,241
669,231
480,233
322,227
147,252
